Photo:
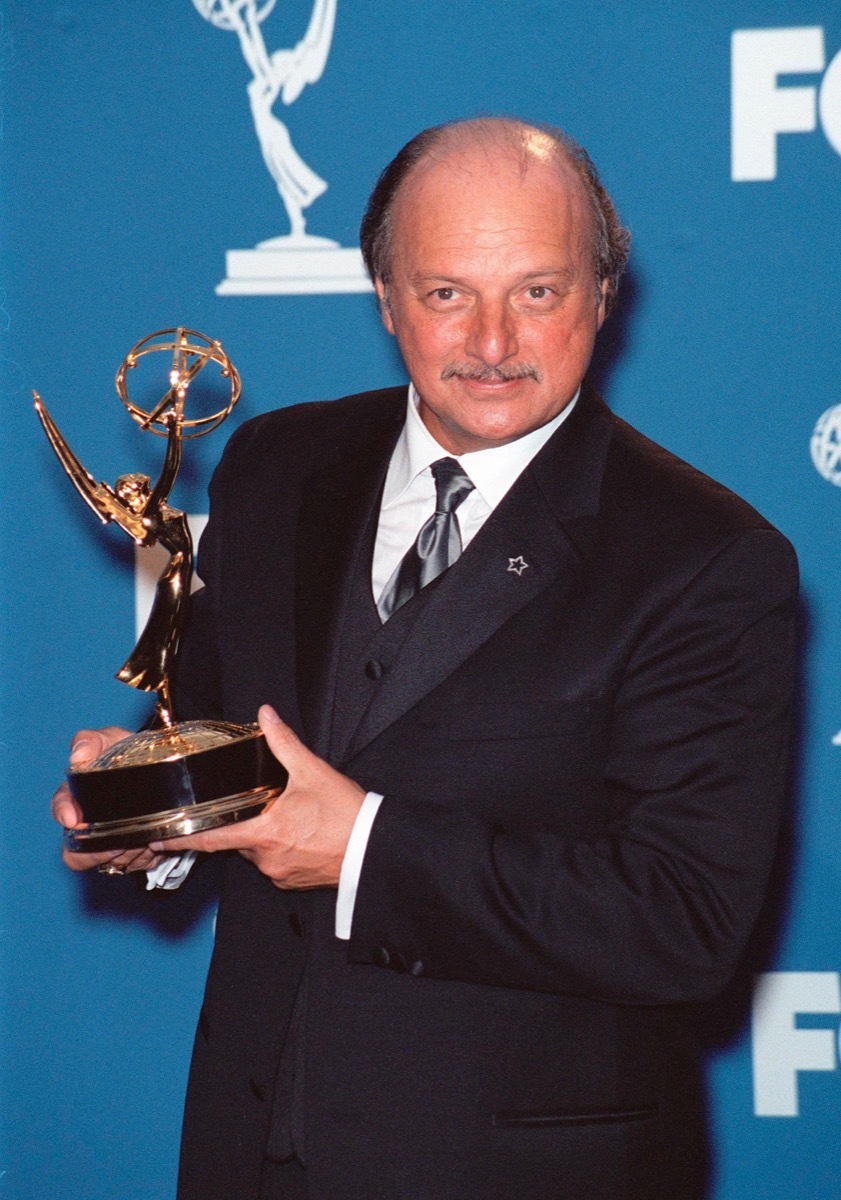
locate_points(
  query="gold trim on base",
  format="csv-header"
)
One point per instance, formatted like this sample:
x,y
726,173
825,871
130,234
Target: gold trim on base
x,y
177,822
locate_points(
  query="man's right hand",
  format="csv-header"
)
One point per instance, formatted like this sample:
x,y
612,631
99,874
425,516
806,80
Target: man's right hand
x,y
87,745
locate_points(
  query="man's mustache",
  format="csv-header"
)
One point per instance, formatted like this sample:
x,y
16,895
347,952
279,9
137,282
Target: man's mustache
x,y
487,374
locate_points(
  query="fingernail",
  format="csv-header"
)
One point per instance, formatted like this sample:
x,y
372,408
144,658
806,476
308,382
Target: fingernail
x,y
81,749
269,714
156,846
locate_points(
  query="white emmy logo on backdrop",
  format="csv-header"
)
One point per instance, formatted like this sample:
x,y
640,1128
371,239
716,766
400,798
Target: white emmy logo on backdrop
x,y
295,263
825,445
825,448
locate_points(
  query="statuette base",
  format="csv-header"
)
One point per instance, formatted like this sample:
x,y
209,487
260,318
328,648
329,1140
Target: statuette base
x,y
172,782
130,835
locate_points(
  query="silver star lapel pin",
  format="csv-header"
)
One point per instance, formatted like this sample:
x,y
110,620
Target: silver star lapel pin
x,y
517,565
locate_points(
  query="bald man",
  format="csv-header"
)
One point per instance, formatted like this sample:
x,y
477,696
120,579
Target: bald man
x,y
531,676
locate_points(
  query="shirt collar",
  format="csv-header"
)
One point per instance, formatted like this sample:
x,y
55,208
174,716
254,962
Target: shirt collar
x,y
492,471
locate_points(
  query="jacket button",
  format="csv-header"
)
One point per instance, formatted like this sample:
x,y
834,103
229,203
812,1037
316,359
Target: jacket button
x,y
416,969
297,924
259,1089
381,956
374,669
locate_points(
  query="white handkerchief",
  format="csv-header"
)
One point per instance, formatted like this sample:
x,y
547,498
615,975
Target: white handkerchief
x,y
171,872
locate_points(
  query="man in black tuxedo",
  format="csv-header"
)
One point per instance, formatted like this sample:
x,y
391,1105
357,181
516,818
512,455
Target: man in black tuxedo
x,y
533,677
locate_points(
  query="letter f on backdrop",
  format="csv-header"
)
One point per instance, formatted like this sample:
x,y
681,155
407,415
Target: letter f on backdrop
x,y
780,1049
761,109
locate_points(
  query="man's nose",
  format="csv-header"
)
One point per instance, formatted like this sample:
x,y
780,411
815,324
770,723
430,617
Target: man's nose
x,y
492,337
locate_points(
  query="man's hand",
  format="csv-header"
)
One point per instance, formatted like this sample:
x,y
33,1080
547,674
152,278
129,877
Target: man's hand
x,y
87,745
300,841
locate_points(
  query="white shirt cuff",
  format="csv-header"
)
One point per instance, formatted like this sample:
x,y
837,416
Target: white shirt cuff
x,y
171,872
352,863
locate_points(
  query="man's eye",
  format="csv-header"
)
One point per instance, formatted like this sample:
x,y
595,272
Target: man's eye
x,y
444,293
538,292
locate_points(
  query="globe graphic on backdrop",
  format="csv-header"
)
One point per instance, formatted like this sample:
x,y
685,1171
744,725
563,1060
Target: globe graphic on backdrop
x,y
825,445
217,11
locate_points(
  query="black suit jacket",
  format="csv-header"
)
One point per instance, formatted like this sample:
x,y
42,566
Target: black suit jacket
x,y
583,766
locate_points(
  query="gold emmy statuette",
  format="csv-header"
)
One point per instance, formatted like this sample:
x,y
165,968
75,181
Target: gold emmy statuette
x,y
181,777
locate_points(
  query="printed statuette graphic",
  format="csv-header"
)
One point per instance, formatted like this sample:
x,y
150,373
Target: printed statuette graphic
x,y
293,263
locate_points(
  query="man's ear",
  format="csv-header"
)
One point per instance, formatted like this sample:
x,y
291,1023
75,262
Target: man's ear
x,y
385,311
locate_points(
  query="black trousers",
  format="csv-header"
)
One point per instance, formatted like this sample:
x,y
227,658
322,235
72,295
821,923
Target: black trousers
x,y
283,1180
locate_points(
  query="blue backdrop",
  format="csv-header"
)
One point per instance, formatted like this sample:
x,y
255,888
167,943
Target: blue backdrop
x,y
131,167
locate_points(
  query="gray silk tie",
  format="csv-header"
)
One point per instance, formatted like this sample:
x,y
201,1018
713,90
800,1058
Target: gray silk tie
x,y
438,543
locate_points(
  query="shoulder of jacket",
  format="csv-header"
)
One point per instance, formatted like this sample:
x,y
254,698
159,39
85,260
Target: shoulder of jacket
x,y
664,511
314,428
317,415
642,474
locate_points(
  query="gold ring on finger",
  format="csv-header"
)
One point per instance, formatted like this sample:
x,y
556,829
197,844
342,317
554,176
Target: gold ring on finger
x,y
111,868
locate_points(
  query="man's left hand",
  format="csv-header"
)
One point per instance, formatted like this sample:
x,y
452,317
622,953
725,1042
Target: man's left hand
x,y
300,841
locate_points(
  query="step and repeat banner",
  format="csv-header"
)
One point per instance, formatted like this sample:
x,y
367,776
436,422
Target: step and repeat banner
x,y
205,163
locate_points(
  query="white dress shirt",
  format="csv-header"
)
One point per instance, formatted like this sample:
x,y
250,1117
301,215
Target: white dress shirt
x,y
408,501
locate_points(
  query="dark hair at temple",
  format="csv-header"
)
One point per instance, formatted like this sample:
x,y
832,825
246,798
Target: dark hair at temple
x,y
610,241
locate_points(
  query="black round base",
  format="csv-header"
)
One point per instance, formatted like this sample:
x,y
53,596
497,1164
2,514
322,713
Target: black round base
x,y
167,783
137,832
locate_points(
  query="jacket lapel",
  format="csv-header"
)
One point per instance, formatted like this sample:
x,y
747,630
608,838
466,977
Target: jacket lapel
x,y
540,533
337,503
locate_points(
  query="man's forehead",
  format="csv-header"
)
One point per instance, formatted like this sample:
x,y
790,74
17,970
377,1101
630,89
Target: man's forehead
x,y
471,186
472,156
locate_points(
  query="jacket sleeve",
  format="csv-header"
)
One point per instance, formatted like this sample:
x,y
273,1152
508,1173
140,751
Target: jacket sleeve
x,y
658,908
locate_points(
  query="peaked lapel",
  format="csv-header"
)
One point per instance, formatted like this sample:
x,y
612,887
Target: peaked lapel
x,y
547,522
336,505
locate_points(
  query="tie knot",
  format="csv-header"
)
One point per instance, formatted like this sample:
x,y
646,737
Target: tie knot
x,y
452,484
